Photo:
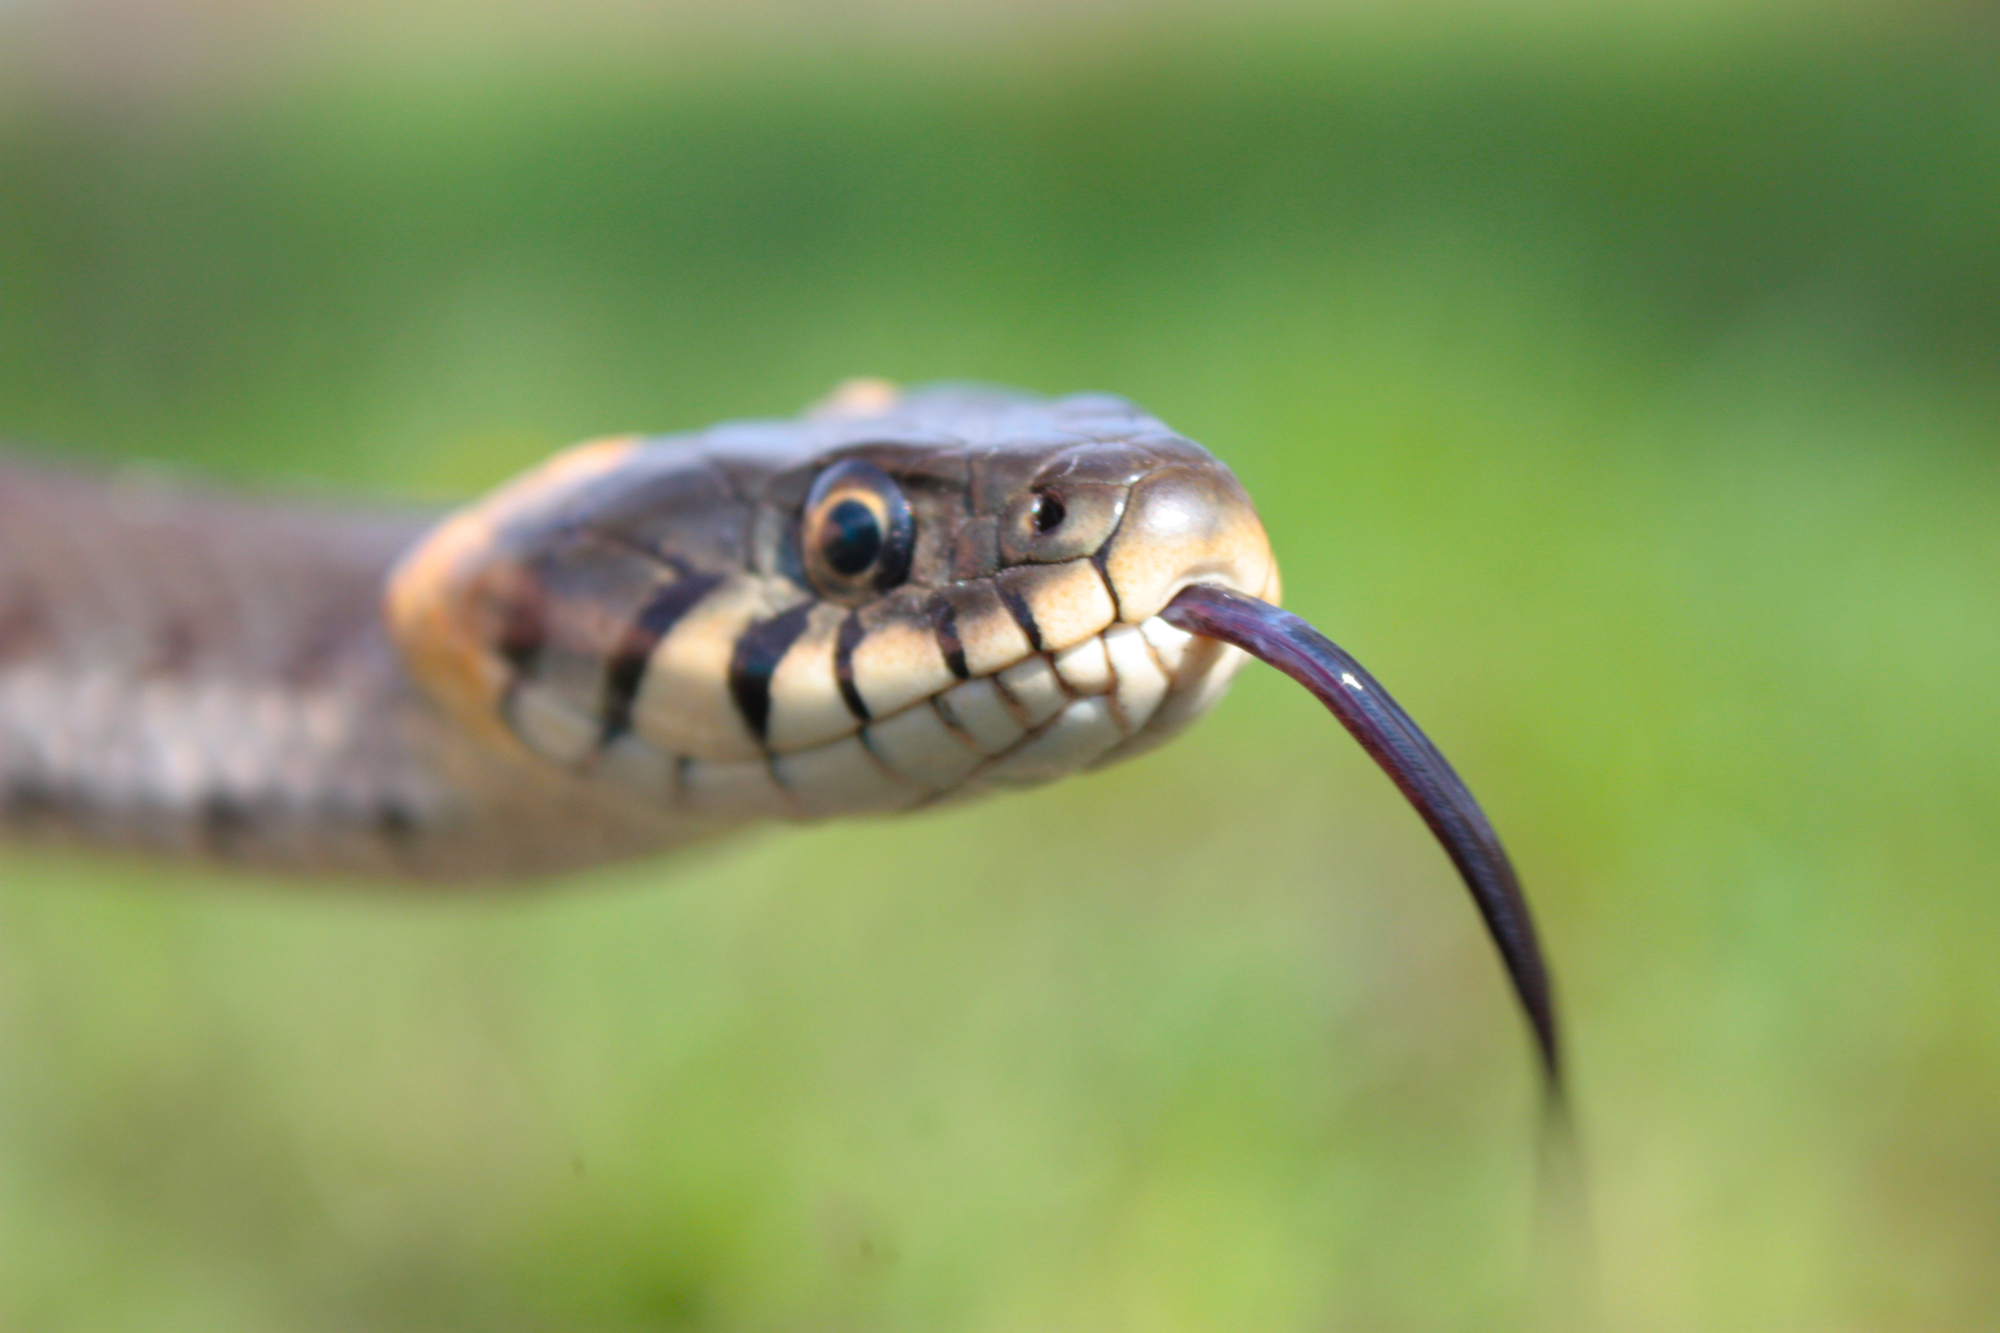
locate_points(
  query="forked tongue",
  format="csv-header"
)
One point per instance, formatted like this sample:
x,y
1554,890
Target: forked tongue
x,y
1288,643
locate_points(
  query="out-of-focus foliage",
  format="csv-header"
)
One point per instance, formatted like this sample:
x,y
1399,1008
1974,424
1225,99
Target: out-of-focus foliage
x,y
1624,398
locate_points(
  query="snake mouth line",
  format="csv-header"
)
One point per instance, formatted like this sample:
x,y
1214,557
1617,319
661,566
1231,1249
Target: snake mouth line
x,y
1113,693
1282,640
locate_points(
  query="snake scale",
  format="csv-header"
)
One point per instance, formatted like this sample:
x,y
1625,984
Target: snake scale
x,y
895,600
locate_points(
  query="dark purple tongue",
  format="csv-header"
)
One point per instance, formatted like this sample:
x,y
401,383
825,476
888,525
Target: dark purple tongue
x,y
1288,643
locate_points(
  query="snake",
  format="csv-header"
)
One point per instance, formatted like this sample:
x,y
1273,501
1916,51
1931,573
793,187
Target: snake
x,y
897,600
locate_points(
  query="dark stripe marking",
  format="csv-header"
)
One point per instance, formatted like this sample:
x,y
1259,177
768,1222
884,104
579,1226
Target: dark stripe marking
x,y
1017,606
868,748
522,633
395,822
944,619
851,634
628,665
174,647
224,822
23,628
756,658
1101,562
29,797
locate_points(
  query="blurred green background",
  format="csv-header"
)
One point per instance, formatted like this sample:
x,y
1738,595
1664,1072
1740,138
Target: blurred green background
x,y
1619,386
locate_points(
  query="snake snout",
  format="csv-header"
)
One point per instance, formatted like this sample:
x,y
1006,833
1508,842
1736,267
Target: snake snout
x,y
1184,524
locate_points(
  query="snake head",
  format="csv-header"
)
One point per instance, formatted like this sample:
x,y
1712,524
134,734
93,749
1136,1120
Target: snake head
x,y
898,600
885,604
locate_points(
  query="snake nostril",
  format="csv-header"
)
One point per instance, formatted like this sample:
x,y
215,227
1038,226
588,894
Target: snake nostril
x,y
1048,511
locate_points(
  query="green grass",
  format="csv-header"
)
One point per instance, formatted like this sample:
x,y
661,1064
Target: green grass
x,y
1630,415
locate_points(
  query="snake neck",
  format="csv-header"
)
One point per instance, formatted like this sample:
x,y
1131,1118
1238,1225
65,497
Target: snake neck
x,y
189,673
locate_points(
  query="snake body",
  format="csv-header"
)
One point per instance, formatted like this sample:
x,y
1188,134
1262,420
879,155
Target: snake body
x,y
892,601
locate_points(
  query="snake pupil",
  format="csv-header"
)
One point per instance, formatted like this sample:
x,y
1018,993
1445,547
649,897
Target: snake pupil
x,y
857,532
1048,511
853,538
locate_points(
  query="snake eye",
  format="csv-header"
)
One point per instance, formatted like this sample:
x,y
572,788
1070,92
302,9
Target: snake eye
x,y
858,531
1048,511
